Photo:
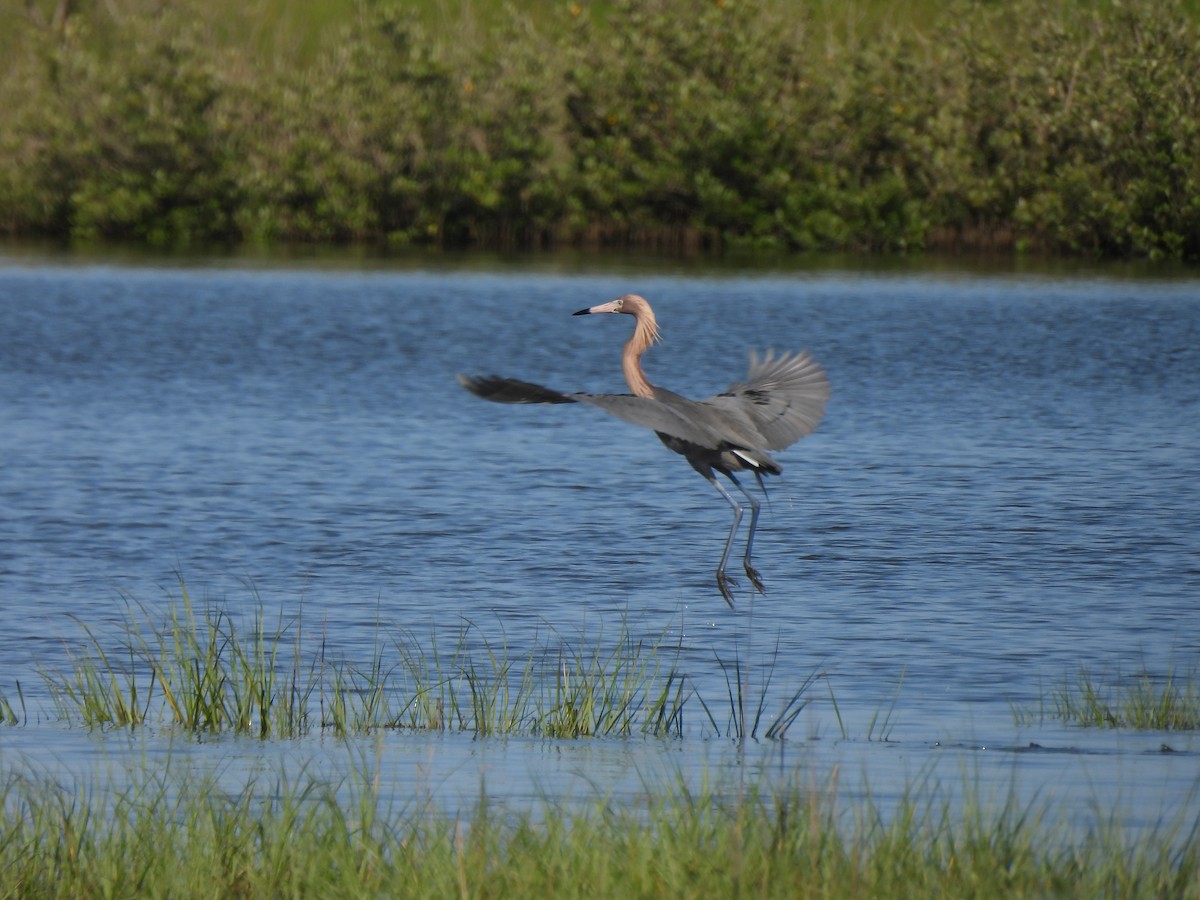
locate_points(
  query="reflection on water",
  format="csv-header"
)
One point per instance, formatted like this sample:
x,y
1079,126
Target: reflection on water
x,y
1003,493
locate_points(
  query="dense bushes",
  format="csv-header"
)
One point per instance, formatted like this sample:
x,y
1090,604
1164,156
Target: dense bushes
x,y
1061,127
1089,140
130,144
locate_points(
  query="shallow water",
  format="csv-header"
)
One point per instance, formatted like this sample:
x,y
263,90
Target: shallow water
x,y
1004,492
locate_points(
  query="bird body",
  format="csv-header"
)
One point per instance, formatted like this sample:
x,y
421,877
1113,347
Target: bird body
x,y
782,400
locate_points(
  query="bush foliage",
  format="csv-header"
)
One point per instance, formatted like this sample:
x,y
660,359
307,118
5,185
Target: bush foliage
x,y
1063,127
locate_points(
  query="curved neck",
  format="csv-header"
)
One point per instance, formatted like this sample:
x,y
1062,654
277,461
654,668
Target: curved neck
x,y
644,334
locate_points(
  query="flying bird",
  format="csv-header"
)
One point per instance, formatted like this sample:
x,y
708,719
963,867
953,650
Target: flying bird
x,y
781,401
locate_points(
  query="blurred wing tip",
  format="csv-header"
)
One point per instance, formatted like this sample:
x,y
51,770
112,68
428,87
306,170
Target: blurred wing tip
x,y
473,383
511,390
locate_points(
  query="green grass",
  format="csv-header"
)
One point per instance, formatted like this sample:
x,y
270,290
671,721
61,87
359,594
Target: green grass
x,y
1146,702
203,672
164,833
748,707
8,713
198,669
202,675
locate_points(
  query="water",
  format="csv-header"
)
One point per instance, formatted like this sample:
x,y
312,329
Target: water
x,y
1004,492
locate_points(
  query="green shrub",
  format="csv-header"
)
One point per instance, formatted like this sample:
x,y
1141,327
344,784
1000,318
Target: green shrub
x,y
1082,127
1065,127
393,137
686,116
122,141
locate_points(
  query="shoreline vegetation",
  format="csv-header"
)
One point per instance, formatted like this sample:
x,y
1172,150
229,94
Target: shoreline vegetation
x,y
167,832
172,831
1069,127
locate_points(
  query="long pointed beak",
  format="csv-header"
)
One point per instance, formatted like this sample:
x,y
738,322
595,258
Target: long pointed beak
x,y
610,307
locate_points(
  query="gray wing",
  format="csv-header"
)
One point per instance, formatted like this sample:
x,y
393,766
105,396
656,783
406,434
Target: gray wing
x,y
666,412
783,398
510,390
677,416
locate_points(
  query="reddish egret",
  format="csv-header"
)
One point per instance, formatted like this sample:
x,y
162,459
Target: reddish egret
x,y
781,401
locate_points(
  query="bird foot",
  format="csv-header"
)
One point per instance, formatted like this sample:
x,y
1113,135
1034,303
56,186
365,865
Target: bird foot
x,y
755,579
724,582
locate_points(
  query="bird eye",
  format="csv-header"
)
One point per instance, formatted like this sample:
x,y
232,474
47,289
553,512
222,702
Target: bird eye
x,y
620,301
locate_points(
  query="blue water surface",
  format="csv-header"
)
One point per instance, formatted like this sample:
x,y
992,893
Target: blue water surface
x,y
1004,491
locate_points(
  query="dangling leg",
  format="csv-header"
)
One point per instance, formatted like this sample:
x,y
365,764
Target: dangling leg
x,y
724,582
751,572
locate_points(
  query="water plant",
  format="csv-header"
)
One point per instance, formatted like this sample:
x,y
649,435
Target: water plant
x,y
885,725
746,720
96,691
1170,702
208,676
8,714
619,690
879,726
201,671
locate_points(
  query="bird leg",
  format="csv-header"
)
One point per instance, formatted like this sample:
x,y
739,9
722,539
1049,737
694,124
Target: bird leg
x,y
751,572
724,582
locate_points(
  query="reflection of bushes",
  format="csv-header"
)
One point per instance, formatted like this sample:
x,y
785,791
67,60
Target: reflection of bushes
x,y
675,123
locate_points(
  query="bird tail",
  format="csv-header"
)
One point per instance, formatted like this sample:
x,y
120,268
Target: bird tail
x,y
762,486
510,390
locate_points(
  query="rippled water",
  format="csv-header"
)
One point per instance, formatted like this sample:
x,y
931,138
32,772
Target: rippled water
x,y
1004,490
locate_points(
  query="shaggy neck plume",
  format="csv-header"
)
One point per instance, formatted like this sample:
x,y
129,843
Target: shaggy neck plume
x,y
645,333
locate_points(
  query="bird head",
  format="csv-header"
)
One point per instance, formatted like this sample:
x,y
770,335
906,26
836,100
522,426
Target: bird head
x,y
632,305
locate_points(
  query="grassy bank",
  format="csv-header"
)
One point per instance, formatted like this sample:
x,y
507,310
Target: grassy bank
x,y
166,834
172,830
1067,127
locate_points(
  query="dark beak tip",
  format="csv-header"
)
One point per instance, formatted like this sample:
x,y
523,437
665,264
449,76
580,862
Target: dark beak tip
x,y
582,312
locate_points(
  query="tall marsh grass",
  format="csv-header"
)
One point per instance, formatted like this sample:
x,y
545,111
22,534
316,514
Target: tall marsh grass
x,y
1170,702
8,713
748,705
161,833
202,672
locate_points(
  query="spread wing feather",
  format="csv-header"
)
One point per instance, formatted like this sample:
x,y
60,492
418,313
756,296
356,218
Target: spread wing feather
x,y
783,397
666,412
674,415
510,390
781,400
